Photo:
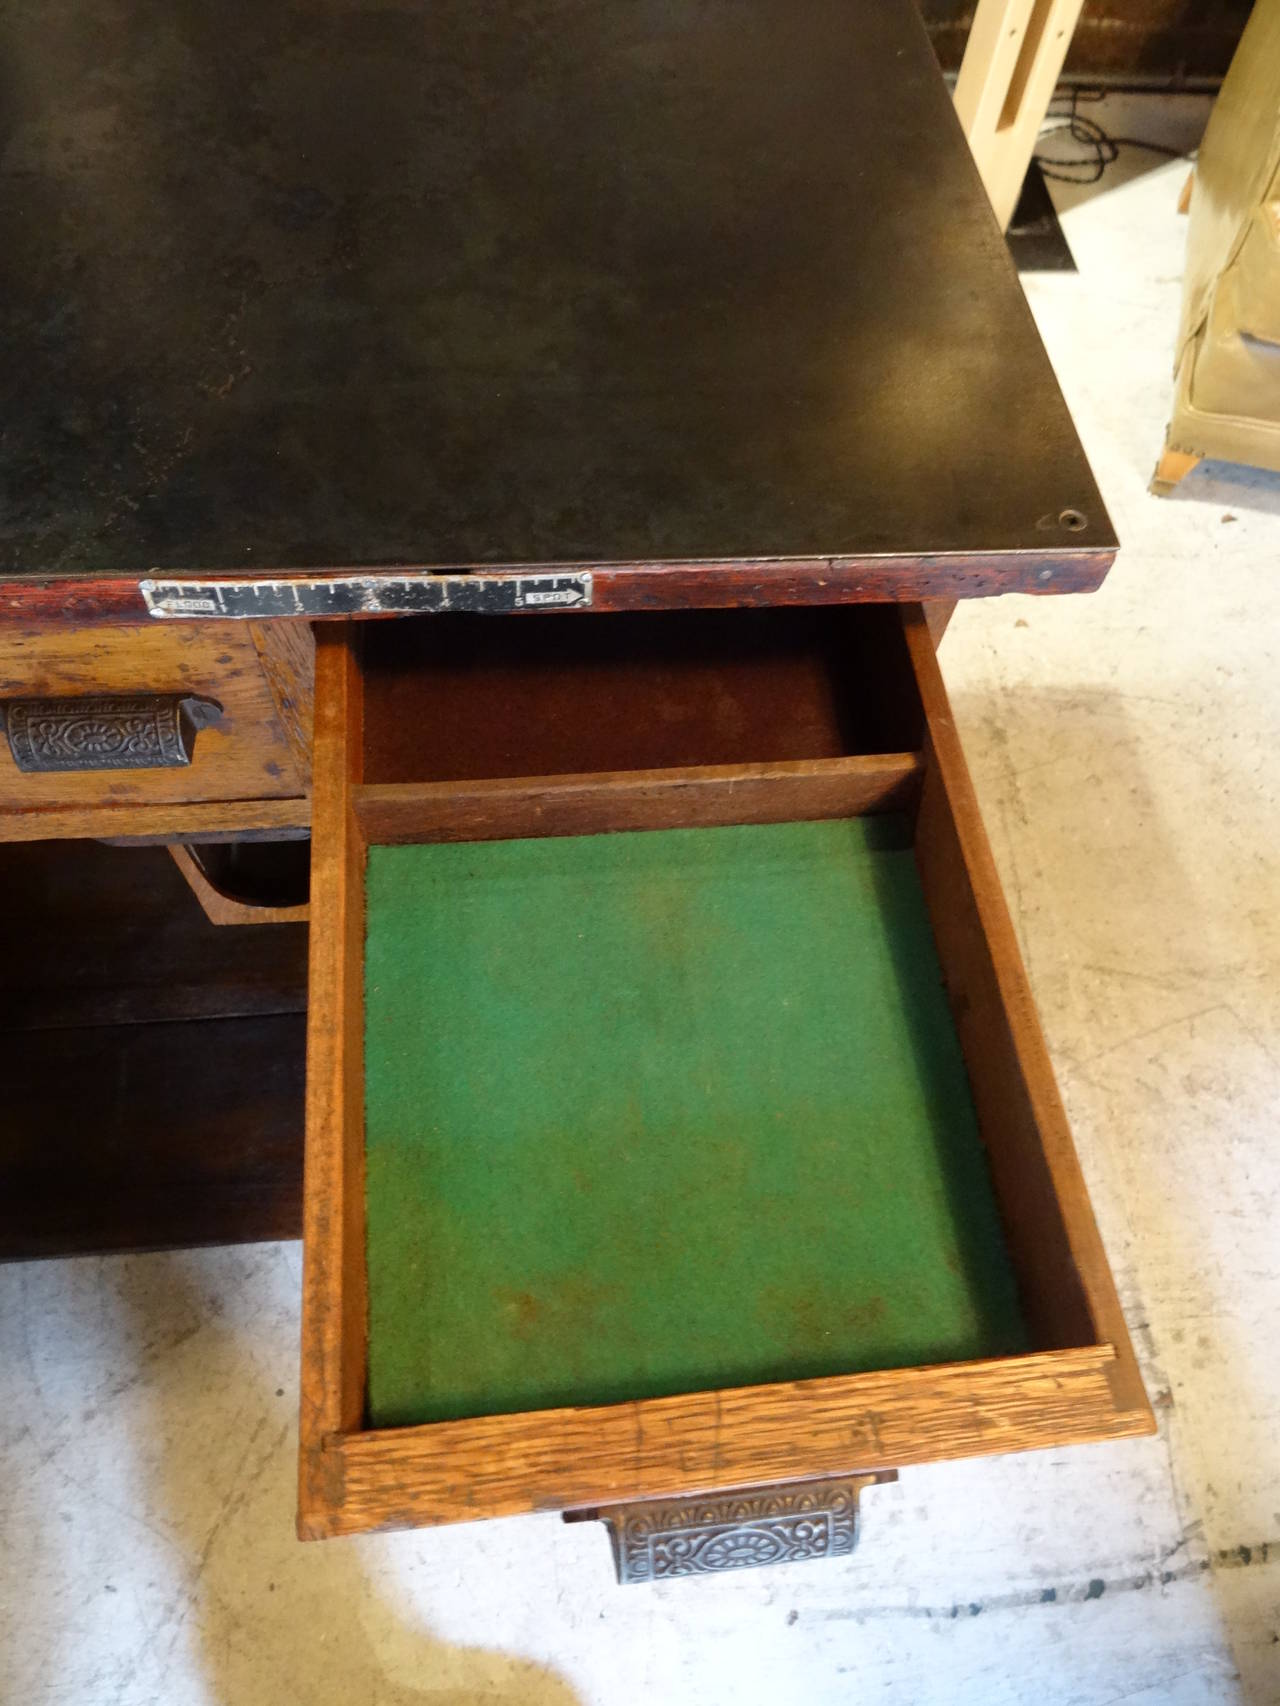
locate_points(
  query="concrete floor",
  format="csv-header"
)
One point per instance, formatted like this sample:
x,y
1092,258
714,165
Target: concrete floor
x,y
1124,747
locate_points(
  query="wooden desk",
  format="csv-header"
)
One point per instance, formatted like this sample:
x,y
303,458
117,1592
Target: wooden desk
x,y
549,309
708,302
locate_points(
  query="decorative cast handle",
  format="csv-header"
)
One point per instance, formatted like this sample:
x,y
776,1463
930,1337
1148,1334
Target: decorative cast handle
x,y
110,731
663,1538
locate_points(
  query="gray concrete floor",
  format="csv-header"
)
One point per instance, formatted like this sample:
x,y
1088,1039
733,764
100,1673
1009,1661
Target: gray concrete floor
x,y
1124,747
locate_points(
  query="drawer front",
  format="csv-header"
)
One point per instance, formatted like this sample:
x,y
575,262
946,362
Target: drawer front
x,y
223,710
557,1371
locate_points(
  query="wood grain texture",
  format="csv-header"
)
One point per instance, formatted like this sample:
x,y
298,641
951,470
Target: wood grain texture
x,y
59,604
333,1274
156,823
245,755
1067,1286
287,655
556,1459
637,799
1084,1387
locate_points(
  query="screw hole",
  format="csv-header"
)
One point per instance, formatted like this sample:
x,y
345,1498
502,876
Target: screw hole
x,y
1073,521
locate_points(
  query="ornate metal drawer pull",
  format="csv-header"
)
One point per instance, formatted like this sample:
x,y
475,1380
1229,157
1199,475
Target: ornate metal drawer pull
x,y
658,1539
138,731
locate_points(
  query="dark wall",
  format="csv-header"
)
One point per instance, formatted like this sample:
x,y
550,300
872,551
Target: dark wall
x,y
1169,39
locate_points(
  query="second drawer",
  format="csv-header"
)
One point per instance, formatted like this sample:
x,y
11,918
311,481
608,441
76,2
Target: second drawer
x,y
249,767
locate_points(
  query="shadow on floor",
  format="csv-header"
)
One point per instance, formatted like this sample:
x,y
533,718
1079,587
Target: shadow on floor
x,y
1175,123
1230,486
1123,828
266,1617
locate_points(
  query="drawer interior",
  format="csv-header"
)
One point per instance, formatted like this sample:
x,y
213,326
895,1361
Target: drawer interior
x,y
665,1111
670,1048
465,697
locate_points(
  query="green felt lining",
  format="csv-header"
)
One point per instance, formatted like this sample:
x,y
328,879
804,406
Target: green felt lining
x,y
656,1112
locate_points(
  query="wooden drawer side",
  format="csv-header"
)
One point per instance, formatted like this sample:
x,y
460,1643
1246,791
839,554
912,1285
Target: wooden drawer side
x,y
1049,1220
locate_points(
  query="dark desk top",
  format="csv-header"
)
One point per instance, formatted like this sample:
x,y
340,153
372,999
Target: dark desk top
x,y
431,282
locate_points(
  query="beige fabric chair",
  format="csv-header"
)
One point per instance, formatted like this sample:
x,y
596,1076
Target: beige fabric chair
x,y
1227,398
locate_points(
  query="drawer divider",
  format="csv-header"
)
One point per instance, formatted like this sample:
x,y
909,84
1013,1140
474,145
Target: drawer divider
x,y
695,796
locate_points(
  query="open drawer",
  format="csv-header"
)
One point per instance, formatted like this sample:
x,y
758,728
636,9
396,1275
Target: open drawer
x,y
678,1115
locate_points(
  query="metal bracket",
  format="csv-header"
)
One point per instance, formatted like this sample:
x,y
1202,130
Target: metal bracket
x,y
734,1531
143,731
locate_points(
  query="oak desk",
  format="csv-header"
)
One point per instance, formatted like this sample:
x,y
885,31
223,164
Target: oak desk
x,y
555,310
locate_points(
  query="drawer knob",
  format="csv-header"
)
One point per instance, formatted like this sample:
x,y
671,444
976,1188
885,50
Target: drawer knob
x,y
138,731
658,1539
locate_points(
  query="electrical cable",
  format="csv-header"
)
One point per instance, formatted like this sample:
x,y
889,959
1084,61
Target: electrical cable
x,y
1102,149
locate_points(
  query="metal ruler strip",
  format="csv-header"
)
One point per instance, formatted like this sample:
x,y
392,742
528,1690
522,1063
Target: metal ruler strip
x,y
364,595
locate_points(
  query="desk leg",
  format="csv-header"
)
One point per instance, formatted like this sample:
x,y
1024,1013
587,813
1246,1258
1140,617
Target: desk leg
x,y
937,615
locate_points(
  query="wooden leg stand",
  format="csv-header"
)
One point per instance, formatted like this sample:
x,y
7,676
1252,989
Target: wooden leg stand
x,y
1173,466
784,1524
1012,62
